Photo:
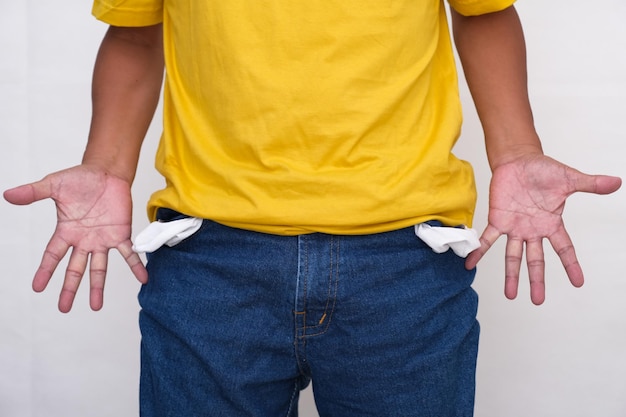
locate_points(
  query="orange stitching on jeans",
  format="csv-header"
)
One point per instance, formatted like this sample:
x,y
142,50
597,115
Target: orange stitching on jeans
x,y
331,300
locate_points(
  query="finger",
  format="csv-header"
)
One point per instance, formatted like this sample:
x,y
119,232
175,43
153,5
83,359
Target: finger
x,y
597,184
54,252
512,264
536,270
134,261
73,275
487,239
563,246
28,193
97,276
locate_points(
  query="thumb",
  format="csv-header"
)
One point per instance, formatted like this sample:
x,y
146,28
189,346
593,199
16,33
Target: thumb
x,y
28,193
598,184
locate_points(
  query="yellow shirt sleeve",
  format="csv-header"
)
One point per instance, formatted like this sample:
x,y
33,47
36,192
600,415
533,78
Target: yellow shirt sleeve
x,y
478,7
128,13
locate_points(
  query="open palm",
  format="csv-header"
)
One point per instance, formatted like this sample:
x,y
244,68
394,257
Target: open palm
x,y
93,216
526,202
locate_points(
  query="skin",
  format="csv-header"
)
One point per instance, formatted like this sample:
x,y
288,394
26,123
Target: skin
x,y
527,194
528,189
93,200
93,216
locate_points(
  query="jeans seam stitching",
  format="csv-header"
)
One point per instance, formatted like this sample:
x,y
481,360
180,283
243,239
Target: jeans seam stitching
x,y
332,296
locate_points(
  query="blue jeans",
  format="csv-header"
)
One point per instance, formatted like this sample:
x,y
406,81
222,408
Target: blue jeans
x,y
235,323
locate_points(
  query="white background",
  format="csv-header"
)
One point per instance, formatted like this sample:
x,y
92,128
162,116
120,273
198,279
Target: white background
x,y
566,358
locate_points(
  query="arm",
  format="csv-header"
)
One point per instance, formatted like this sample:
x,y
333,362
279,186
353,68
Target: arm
x,y
125,92
493,53
528,190
93,199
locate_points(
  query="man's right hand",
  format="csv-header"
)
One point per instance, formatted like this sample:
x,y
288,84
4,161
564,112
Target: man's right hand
x,y
94,211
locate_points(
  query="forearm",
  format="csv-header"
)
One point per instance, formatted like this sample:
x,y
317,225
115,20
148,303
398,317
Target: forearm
x,y
125,92
493,54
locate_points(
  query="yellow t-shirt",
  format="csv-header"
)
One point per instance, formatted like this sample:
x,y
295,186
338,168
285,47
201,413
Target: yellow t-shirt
x,y
291,117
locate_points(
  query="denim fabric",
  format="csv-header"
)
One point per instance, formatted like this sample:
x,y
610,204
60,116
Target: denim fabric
x,y
235,323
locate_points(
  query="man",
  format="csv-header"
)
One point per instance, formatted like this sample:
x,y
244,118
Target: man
x,y
306,146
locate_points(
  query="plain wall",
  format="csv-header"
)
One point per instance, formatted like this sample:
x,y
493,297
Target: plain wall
x,y
565,358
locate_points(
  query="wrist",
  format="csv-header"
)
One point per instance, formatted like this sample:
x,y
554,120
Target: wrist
x,y
506,149
110,166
